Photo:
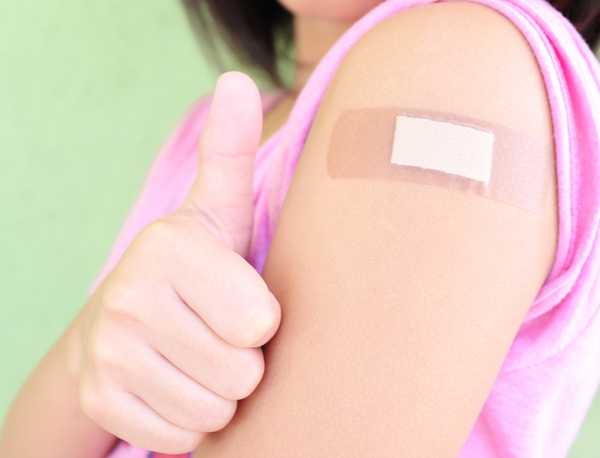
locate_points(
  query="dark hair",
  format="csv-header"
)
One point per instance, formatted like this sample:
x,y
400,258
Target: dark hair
x,y
259,32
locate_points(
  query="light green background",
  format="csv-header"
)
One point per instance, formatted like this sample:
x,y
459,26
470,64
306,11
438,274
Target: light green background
x,y
90,91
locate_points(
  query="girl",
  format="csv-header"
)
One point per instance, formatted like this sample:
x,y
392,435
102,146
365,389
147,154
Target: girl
x,y
422,314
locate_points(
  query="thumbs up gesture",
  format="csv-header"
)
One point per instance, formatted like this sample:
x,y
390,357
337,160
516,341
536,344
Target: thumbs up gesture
x,y
172,337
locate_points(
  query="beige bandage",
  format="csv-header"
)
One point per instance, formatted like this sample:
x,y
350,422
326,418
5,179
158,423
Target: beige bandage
x,y
441,149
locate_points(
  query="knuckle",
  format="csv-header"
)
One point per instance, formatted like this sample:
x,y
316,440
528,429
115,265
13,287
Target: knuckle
x,y
249,372
91,404
95,354
219,415
158,230
114,299
166,241
86,400
209,412
190,442
170,441
208,220
109,299
153,240
106,361
99,352
256,328
166,231
186,442
122,302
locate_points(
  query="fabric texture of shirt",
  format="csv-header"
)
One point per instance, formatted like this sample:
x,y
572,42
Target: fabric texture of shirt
x,y
552,370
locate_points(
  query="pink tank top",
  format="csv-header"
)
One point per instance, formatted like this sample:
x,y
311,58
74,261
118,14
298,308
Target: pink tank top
x,y
548,380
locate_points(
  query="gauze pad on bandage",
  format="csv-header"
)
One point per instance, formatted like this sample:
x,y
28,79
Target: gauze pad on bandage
x,y
442,149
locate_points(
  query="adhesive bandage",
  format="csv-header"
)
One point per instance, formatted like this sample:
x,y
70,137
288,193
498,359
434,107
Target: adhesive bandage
x,y
441,149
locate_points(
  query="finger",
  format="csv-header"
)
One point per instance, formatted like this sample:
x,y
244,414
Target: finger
x,y
176,397
132,420
193,348
223,188
224,290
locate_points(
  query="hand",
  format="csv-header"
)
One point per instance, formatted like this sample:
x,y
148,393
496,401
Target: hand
x,y
172,340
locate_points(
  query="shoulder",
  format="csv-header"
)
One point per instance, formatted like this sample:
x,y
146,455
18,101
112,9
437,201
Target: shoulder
x,y
458,56
400,273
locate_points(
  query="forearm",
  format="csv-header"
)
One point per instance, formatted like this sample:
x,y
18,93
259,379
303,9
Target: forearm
x,y
45,419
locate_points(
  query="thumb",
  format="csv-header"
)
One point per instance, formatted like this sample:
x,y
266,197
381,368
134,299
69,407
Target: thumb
x,y
222,192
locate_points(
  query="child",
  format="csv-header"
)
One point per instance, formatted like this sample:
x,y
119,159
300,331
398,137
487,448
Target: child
x,y
421,314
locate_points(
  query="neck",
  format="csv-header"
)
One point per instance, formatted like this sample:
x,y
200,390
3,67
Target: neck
x,y
312,38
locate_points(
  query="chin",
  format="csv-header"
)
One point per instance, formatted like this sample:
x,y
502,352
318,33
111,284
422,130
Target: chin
x,y
331,10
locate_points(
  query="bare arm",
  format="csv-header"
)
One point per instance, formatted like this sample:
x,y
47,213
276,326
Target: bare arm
x,y
46,419
399,299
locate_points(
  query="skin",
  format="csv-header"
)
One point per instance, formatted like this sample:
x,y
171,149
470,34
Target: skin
x,y
443,300
317,26
166,345
448,333
73,420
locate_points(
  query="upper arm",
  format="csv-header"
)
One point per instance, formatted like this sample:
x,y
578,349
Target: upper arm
x,y
400,300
